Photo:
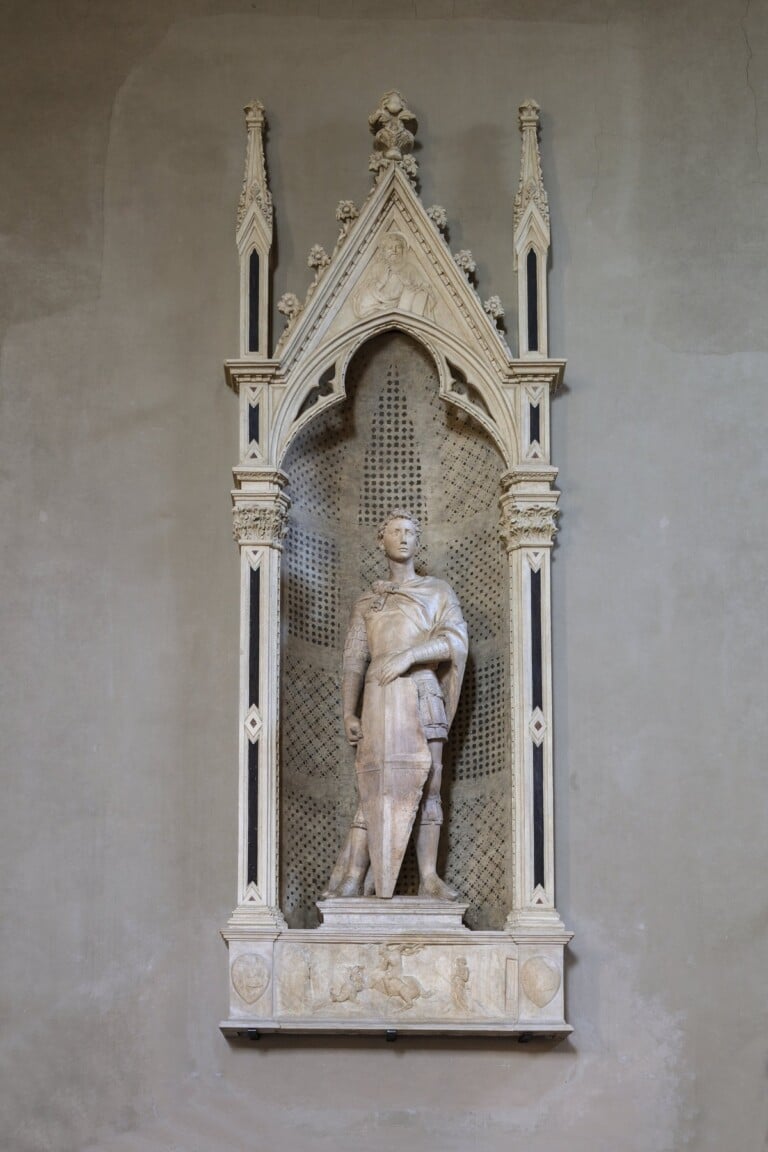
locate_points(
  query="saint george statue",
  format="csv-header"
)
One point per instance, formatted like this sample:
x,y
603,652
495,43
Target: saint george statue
x,y
405,652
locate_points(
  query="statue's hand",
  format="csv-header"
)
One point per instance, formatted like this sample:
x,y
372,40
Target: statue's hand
x,y
353,729
396,666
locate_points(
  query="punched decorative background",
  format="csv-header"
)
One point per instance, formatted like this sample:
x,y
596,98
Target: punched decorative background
x,y
393,442
313,587
309,692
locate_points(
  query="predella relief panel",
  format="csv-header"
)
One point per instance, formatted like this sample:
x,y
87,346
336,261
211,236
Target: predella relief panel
x,y
395,509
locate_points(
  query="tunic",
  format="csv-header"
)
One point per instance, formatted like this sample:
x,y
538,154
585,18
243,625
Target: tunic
x,y
400,717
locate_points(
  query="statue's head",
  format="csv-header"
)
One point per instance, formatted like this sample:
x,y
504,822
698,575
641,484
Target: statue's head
x,y
393,246
399,534
392,102
357,977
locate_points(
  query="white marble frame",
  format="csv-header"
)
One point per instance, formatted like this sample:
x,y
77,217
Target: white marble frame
x,y
510,397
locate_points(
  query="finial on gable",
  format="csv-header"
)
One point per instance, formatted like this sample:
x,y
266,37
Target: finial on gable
x,y
394,127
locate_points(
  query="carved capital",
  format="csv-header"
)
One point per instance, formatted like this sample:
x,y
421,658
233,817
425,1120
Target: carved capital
x,y
260,525
528,523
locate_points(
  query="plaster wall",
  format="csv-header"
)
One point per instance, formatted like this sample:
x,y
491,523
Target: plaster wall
x,y
123,142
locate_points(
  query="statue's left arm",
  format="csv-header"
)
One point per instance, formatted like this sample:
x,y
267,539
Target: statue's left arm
x,y
450,629
447,645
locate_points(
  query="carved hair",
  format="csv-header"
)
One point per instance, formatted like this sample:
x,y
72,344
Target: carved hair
x,y
398,514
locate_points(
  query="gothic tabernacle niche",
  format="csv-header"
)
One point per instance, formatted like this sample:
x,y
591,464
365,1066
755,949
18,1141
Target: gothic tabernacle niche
x,y
393,386
393,442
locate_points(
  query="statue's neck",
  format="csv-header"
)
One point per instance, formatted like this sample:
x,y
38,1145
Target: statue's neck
x,y
401,570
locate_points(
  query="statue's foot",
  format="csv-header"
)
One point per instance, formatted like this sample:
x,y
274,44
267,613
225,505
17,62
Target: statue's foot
x,y
436,888
350,886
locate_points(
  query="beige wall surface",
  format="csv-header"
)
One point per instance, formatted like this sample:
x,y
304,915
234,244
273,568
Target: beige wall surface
x,y
122,146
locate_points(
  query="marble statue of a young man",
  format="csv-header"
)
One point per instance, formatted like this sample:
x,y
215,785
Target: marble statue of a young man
x,y
405,654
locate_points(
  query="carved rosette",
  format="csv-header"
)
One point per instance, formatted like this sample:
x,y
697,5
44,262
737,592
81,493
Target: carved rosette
x,y
528,524
290,307
438,216
260,526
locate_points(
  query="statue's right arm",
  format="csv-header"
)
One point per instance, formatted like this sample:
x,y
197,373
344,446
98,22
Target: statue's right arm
x,y
350,694
355,661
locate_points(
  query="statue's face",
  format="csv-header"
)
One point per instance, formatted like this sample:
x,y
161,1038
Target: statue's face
x,y
393,248
399,540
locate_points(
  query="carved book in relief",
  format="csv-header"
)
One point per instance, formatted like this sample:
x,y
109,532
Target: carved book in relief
x,y
395,510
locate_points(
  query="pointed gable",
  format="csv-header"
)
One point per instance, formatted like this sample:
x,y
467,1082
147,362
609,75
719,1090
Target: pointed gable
x,y
392,264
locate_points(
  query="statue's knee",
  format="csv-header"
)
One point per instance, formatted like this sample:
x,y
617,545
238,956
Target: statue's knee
x,y
431,810
436,754
359,819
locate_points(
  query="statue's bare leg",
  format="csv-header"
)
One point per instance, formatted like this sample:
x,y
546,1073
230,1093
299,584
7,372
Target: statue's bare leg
x,y
358,860
428,831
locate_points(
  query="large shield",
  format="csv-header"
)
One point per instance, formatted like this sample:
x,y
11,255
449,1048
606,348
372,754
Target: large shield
x,y
392,766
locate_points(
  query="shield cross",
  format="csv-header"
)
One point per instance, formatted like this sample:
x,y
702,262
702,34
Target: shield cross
x,y
392,766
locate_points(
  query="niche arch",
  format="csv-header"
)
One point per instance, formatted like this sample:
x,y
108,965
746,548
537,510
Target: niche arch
x,y
463,377
392,441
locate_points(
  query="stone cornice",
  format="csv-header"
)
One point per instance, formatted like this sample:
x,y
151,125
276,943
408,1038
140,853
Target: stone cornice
x,y
535,472
534,370
246,371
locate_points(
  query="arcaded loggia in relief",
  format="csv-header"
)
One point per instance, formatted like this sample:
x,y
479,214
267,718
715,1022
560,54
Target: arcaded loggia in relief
x,y
404,661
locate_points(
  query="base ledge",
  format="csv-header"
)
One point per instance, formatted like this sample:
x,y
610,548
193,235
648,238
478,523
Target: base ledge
x,y
253,1029
398,914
